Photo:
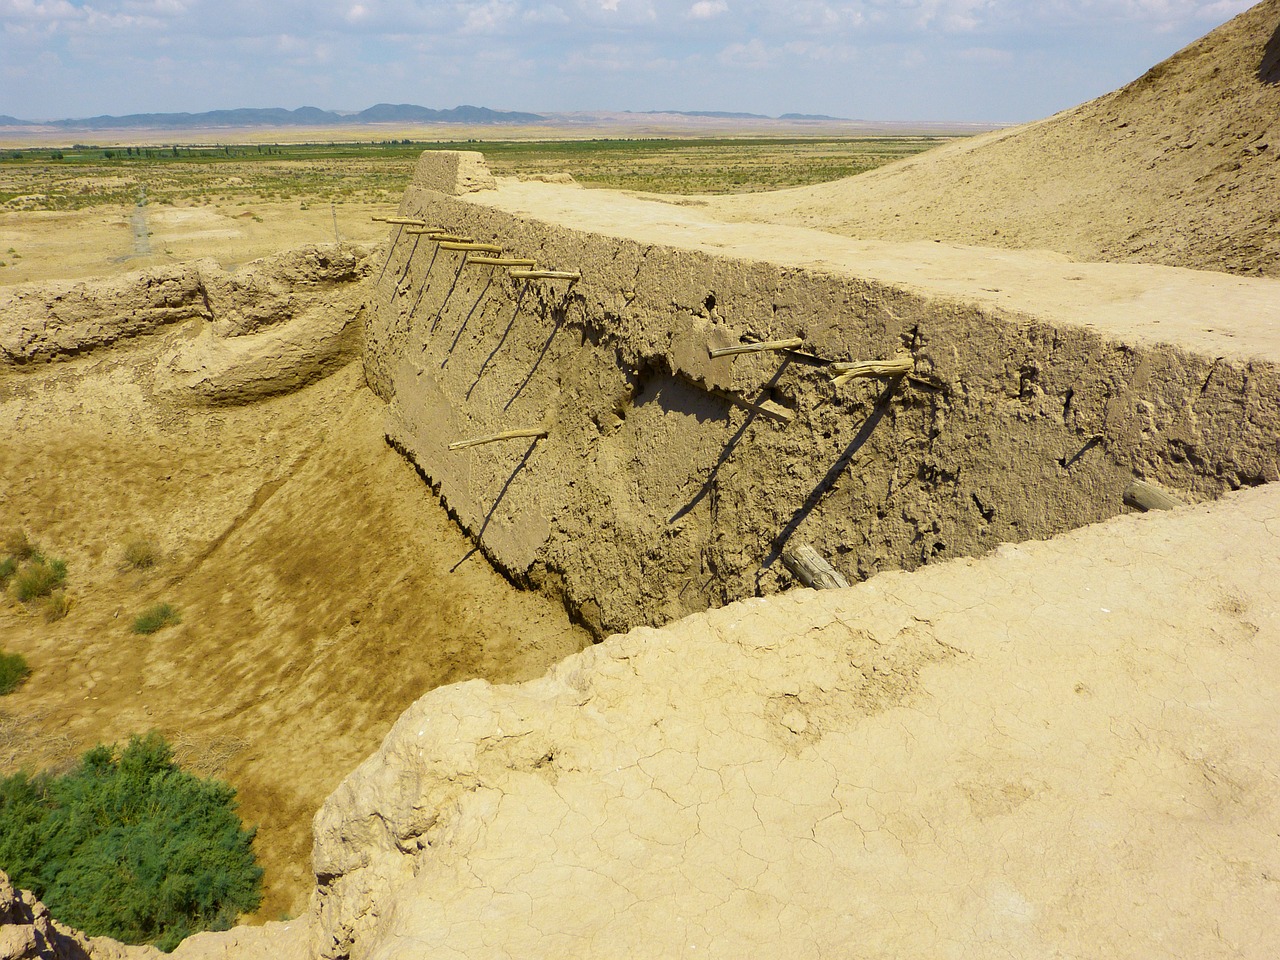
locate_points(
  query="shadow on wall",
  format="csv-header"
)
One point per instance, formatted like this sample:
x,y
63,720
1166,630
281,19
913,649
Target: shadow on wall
x,y
1269,68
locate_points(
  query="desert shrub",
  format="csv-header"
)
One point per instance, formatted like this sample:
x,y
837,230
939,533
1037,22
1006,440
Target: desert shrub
x,y
156,617
141,554
8,567
56,605
38,577
13,670
18,546
128,845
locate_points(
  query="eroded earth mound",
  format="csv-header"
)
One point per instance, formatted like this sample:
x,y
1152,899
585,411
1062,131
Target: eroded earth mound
x,y
1180,167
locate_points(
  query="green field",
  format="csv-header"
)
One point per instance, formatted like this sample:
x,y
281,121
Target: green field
x,y
85,176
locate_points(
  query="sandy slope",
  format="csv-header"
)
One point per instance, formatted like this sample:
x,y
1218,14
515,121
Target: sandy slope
x,y
1180,167
314,572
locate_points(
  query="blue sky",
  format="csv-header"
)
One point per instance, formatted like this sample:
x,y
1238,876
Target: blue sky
x,y
971,60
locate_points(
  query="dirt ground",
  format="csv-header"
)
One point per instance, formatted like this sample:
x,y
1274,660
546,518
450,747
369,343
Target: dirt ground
x,y
322,588
102,241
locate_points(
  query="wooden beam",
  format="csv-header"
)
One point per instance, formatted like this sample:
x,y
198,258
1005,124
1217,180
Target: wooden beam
x,y
1147,496
500,262
401,221
765,347
845,371
505,435
470,245
811,569
546,274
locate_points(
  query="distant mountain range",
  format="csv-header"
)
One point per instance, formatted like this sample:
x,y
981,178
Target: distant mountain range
x,y
279,117
379,113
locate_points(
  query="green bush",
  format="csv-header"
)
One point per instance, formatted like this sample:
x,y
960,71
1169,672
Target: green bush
x,y
129,846
8,567
156,617
39,577
13,670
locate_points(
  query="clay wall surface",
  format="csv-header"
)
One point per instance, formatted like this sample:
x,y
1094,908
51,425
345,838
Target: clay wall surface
x,y
669,482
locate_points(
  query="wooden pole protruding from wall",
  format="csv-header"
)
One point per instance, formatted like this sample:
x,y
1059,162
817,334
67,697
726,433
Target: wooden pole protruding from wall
x,y
533,432
811,569
431,233
843,372
470,245
401,221
501,262
765,347
546,274
1147,496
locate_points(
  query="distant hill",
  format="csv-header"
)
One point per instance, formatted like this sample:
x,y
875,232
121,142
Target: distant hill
x,y
808,116
713,114
280,117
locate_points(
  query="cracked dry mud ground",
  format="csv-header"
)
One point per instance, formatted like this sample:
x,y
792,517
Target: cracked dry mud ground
x,y
1065,748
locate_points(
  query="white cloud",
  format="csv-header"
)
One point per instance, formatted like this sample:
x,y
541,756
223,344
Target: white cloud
x,y
707,9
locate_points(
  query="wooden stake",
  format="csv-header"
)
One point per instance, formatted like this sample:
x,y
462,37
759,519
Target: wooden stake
x,y
1147,496
500,262
469,245
505,435
765,347
846,371
811,569
402,221
434,234
546,274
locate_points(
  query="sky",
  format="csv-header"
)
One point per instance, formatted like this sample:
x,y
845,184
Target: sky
x,y
957,60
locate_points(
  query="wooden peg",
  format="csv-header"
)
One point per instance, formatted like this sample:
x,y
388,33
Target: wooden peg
x,y
811,569
433,233
402,221
546,274
469,245
500,262
505,435
765,347
845,371
1147,496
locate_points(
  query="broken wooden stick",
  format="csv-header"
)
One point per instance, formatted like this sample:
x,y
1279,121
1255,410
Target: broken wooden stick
x,y
505,435
546,274
764,347
845,371
470,245
1147,496
811,569
500,262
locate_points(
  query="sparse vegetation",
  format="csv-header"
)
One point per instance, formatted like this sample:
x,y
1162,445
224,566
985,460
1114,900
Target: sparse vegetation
x,y
84,176
141,554
18,546
13,671
38,578
130,846
34,578
56,606
156,617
